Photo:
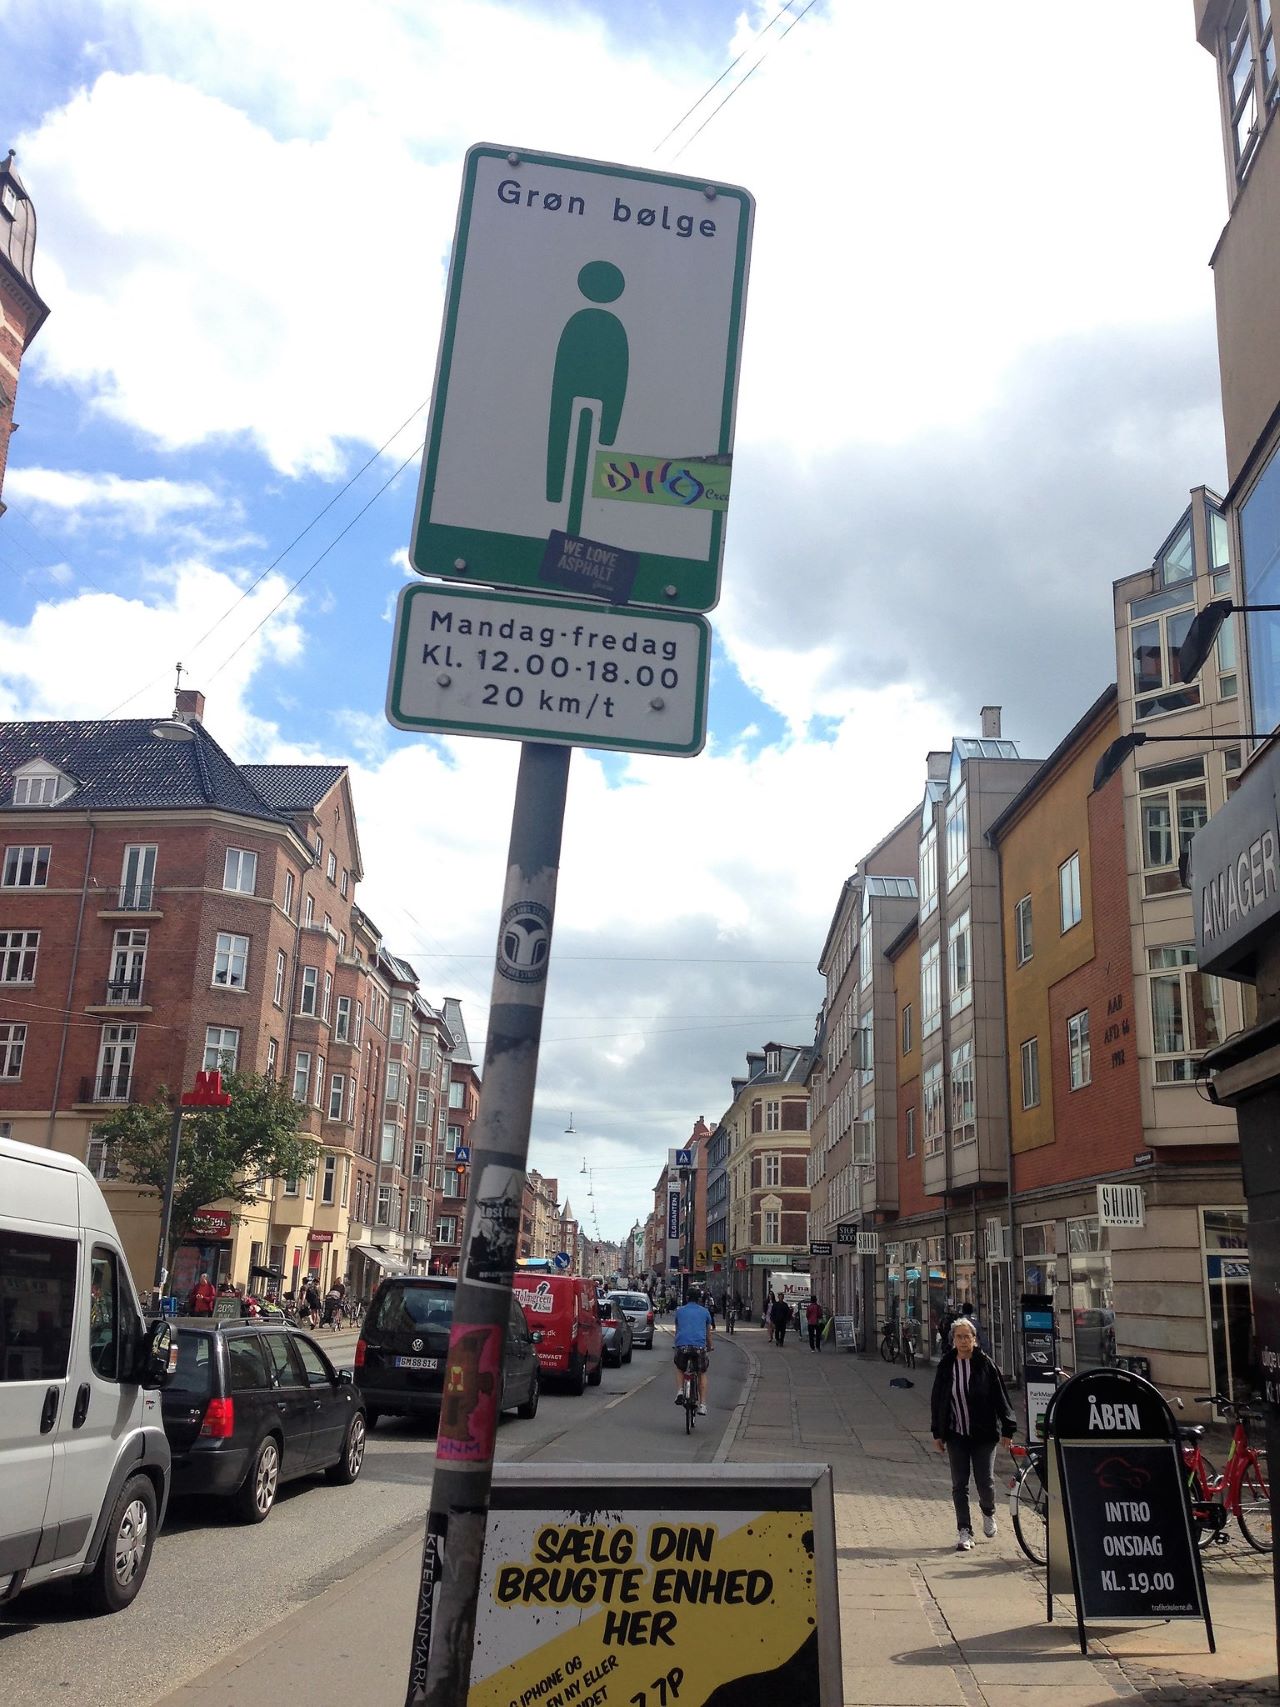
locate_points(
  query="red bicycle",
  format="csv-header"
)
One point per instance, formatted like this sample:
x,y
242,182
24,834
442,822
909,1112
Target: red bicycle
x,y
1241,1491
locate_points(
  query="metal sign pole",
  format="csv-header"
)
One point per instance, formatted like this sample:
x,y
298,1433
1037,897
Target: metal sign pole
x,y
444,1629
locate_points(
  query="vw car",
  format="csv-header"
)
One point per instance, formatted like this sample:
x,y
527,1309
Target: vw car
x,y
251,1405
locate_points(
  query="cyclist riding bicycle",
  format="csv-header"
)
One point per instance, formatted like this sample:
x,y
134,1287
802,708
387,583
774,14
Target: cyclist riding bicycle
x,y
693,1346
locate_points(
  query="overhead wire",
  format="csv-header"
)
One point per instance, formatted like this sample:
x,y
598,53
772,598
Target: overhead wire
x,y
743,79
711,87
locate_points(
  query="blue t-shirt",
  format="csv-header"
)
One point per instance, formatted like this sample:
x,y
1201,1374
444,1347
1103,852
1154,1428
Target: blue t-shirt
x,y
692,1322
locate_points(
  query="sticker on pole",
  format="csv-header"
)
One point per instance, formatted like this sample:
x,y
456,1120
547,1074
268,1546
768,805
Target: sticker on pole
x,y
588,354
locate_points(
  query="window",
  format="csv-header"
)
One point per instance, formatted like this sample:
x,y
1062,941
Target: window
x,y
419,1158
452,1138
1069,892
911,1131
866,965
906,1028
958,836
422,1106
138,877
934,1118
317,853
342,943
345,883
327,1002
273,1053
288,893
307,992
221,1049
277,991
384,1205
772,1223
930,989
358,1033
37,790
301,1074
959,964
337,1091
13,1044
773,1060
230,960
318,1099
457,1094
100,1159
1093,1318
105,1310
1024,940
346,1180
331,871
115,1062
864,1138
929,870
1187,1015
342,1020
393,1081
964,1116
308,910
1031,1073
18,951
1154,644
128,963
1039,1257
773,1117
772,1169
397,1022
388,1141
240,871
426,1054
1173,805
25,868
1260,573
446,1230
38,1278
1078,1049
1177,560
1239,85
329,1180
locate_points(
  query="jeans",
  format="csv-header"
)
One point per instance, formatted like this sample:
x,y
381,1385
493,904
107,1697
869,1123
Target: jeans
x,y
815,1336
979,1458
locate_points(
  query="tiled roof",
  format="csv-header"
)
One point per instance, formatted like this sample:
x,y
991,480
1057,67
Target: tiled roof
x,y
293,788
121,764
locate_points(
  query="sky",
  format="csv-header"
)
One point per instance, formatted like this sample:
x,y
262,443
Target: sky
x,y
979,379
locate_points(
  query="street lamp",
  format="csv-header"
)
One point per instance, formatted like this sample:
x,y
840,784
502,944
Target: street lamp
x,y
1115,755
1205,624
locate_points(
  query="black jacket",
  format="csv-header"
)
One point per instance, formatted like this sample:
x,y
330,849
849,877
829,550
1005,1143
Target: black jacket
x,y
990,1415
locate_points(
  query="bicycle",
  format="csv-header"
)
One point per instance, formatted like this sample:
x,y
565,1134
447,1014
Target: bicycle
x,y
890,1342
1029,1501
908,1339
1241,1490
689,1397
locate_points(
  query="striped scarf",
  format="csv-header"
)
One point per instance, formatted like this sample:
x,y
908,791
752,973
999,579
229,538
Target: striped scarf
x,y
960,1395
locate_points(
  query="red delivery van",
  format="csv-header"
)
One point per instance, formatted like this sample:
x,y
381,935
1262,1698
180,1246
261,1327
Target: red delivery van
x,y
562,1307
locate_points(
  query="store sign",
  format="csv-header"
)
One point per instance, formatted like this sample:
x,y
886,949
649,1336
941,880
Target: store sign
x,y
868,1244
846,1235
819,1247
210,1224
673,1215
698,1585
1235,874
316,1237
846,1334
1121,1206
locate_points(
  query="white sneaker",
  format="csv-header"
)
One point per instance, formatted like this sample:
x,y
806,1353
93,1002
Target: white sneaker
x,y
702,1410
964,1541
989,1524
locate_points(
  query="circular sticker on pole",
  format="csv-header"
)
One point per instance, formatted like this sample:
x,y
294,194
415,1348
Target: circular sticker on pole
x,y
524,942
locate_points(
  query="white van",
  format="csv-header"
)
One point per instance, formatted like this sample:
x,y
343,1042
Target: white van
x,y
84,1463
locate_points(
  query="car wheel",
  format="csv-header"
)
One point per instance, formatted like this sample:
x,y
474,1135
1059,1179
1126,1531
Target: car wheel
x,y
578,1375
347,1468
597,1374
126,1548
627,1358
529,1409
257,1494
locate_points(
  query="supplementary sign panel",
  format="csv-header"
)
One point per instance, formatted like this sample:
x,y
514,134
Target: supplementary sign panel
x,y
609,1584
587,374
468,661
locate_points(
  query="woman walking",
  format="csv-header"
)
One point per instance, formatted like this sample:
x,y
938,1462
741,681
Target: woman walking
x,y
970,1413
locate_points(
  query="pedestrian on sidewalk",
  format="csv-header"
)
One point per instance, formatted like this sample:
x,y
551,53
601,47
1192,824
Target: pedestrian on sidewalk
x,y
780,1315
970,1413
813,1317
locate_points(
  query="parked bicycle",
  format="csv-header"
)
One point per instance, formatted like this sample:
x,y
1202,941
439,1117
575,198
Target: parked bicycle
x,y
898,1342
1241,1490
1029,1500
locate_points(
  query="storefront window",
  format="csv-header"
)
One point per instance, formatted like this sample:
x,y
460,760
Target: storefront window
x,y
1039,1257
892,1281
936,1271
964,1271
1226,1267
913,1279
1093,1319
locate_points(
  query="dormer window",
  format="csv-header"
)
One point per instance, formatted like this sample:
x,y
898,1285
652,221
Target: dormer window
x,y
40,785
773,1061
8,201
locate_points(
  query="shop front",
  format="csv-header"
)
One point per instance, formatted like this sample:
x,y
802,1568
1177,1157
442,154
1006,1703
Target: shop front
x,y
205,1248
1232,1352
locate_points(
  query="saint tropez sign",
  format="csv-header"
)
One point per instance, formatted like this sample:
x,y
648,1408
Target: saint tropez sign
x,y
587,376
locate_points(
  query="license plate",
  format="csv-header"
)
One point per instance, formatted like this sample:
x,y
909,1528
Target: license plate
x,y
417,1363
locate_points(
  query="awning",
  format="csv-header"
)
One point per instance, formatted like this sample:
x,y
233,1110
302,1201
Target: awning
x,y
391,1262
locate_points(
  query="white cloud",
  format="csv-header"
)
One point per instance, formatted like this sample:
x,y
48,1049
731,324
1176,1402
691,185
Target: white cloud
x,y
80,497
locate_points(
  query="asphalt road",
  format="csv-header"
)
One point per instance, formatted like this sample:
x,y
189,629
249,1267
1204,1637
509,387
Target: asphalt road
x,y
213,1584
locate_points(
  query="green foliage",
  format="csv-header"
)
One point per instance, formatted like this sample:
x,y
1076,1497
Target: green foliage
x,y
225,1153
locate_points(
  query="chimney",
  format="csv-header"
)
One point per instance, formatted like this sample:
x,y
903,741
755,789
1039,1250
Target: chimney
x,y
189,703
991,722
938,766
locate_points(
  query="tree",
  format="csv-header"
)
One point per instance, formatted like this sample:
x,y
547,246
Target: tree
x,y
225,1153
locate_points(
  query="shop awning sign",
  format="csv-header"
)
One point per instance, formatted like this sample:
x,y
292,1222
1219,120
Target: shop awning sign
x,y
1121,1206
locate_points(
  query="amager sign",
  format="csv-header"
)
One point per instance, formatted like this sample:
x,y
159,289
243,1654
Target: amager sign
x,y
1235,874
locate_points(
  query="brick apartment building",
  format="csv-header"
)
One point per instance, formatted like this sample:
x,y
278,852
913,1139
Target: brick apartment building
x,y
22,310
164,911
767,1166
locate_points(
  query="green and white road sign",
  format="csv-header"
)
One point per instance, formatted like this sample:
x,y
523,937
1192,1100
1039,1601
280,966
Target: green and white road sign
x,y
470,661
587,374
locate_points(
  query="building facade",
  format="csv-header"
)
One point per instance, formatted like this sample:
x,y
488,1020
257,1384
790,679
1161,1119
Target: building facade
x,y
768,1127
22,310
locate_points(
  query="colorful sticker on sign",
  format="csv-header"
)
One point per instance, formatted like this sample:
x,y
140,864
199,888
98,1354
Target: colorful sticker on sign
x,y
713,1605
469,1402
684,483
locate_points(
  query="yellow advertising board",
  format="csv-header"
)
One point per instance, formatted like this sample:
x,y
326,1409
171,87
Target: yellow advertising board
x,y
672,1588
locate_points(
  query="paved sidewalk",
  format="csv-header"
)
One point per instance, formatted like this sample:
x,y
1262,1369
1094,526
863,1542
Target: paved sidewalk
x,y
921,1626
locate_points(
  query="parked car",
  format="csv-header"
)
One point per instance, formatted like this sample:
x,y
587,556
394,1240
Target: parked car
x,y
84,1463
639,1312
400,1355
561,1309
615,1332
253,1404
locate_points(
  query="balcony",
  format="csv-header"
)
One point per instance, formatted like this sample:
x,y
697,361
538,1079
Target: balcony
x,y
111,1085
120,993
133,900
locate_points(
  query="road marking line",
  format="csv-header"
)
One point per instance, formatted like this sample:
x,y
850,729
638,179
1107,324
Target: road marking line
x,y
630,1392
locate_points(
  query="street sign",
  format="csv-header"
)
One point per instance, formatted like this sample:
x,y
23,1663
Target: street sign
x,y
462,1155
561,1261
819,1247
468,661
587,375
684,1158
